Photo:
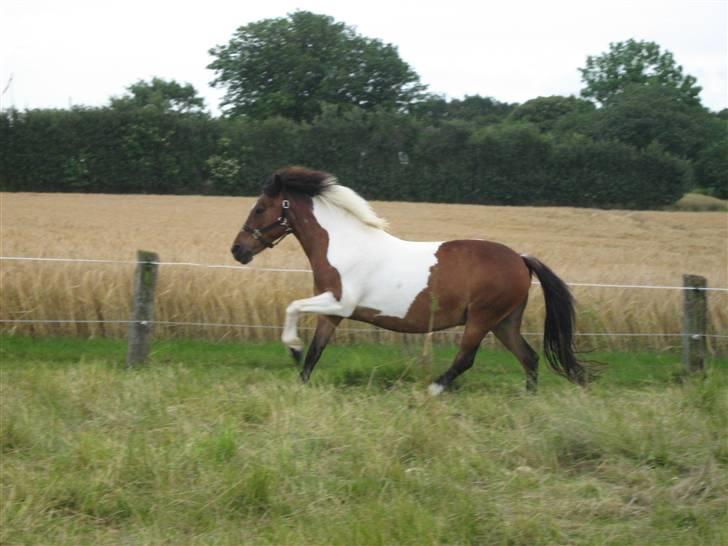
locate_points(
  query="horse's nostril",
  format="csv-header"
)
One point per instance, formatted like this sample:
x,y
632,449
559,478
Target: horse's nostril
x,y
235,249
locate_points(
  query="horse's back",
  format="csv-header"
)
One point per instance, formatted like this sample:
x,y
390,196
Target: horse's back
x,y
479,262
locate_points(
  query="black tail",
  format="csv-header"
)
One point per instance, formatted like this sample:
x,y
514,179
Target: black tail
x,y
558,342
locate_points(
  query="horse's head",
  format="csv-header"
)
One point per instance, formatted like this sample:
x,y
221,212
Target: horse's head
x,y
267,224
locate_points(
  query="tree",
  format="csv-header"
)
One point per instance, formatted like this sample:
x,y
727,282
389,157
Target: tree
x,y
635,62
546,112
711,169
473,108
291,66
160,95
641,115
481,110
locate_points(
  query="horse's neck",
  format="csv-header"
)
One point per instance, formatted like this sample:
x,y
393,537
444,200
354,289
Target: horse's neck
x,y
343,230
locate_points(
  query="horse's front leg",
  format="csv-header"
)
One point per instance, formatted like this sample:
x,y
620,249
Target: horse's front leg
x,y
325,328
323,304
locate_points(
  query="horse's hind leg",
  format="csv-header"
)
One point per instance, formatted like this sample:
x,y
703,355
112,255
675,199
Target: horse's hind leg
x,y
508,331
469,344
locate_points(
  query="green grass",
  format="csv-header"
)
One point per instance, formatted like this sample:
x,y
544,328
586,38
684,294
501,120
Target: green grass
x,y
219,444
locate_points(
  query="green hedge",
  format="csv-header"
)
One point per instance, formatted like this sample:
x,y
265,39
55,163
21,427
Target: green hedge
x,y
383,155
105,150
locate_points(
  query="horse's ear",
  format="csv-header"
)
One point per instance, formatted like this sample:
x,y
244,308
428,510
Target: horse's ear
x,y
273,185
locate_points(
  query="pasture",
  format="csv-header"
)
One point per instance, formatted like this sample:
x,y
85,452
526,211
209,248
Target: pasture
x,y
217,443
581,245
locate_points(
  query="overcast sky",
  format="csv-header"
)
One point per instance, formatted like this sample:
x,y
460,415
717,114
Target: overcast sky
x,y
84,51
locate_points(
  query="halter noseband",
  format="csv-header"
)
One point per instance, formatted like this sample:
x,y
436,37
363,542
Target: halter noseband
x,y
282,220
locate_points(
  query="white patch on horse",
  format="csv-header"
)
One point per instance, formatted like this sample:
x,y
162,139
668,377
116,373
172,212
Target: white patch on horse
x,y
435,389
377,270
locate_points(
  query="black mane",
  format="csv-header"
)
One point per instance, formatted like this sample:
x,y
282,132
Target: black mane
x,y
297,180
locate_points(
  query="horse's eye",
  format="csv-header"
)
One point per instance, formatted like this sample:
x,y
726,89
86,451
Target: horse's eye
x,y
259,210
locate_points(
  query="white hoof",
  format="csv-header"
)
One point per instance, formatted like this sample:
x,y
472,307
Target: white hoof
x,y
435,389
293,343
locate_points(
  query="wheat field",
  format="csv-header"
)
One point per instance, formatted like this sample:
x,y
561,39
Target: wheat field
x,y
580,245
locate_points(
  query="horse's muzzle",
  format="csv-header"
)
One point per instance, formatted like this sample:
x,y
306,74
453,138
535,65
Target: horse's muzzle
x,y
242,255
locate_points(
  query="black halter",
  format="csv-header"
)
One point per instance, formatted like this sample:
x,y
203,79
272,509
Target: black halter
x,y
282,220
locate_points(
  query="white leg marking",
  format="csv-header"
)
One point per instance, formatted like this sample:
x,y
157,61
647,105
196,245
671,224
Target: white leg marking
x,y
290,329
323,304
435,389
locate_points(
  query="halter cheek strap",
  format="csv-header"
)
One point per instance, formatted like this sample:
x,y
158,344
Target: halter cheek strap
x,y
282,221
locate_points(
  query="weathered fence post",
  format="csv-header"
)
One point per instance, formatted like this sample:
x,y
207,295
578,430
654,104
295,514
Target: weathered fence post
x,y
142,319
695,319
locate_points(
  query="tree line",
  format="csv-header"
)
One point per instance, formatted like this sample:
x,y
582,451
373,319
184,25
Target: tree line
x,y
638,136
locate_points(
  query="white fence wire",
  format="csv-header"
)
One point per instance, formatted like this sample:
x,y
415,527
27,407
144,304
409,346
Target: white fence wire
x,y
295,270
301,270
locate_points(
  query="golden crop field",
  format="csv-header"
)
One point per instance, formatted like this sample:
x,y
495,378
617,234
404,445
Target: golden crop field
x,y
580,245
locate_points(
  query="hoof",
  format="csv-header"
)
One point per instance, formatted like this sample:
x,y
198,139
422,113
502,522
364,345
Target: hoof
x,y
296,354
294,344
435,389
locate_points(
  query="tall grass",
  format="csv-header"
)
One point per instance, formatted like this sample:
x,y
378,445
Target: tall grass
x,y
212,444
579,244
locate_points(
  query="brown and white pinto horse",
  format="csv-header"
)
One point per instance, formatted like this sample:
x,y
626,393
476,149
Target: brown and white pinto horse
x,y
363,273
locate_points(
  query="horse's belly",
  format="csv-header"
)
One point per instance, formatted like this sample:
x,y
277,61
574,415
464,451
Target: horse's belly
x,y
415,322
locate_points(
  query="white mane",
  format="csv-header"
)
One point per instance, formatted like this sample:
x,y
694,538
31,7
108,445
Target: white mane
x,y
348,200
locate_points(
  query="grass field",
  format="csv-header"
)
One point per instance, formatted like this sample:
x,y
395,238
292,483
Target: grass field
x,y
217,443
581,245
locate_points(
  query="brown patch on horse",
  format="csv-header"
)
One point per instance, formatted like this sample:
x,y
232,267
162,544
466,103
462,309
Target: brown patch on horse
x,y
315,242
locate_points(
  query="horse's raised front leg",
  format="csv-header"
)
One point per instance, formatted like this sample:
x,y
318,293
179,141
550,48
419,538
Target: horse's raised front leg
x,y
323,304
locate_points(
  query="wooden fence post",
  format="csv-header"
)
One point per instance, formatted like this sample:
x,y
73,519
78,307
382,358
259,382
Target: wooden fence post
x,y
142,319
695,319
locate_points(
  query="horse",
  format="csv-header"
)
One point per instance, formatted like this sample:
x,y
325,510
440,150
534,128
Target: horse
x,y
364,273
